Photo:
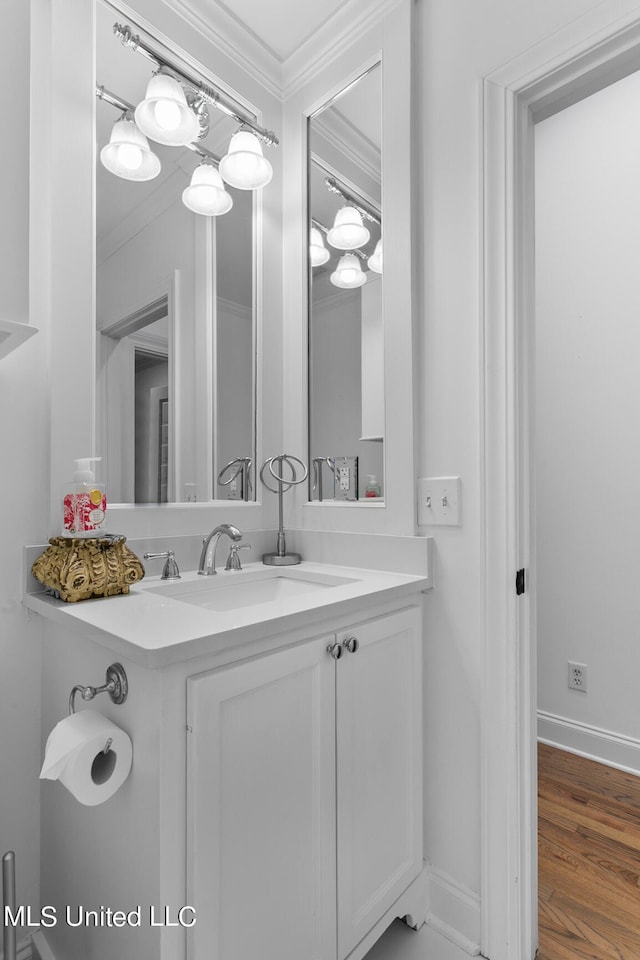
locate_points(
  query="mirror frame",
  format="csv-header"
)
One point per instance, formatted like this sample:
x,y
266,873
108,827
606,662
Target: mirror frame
x,y
389,40
62,251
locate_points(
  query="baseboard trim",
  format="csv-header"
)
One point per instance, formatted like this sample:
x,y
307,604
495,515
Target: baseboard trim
x,y
41,949
593,743
453,911
23,950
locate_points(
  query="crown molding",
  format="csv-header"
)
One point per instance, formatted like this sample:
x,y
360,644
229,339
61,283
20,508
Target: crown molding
x,y
234,40
281,79
330,40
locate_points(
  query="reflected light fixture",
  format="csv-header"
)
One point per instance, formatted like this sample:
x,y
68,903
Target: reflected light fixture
x,y
348,231
127,154
164,114
318,253
244,165
348,273
375,260
206,193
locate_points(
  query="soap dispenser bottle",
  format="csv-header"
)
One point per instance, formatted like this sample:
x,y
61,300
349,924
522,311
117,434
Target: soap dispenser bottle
x,y
84,502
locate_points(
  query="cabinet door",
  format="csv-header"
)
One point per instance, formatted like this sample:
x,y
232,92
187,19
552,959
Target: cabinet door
x,y
261,808
379,770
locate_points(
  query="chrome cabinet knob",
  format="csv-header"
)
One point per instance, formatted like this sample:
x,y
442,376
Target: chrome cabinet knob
x,y
335,650
351,644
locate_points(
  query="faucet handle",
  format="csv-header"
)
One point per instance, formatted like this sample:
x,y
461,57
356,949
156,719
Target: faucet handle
x,y
233,560
170,570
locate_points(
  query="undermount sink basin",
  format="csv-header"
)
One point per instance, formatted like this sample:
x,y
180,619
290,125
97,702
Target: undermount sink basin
x,y
231,591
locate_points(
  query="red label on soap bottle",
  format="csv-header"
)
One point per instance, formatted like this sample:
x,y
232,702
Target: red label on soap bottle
x,y
84,512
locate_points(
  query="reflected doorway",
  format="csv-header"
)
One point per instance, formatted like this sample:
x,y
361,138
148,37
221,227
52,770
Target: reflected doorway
x,y
151,435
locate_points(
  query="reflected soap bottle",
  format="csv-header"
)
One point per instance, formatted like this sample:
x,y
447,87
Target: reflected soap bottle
x,y
372,488
84,502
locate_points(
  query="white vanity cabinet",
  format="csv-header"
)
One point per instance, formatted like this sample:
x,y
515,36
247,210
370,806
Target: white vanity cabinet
x,y
288,813
304,793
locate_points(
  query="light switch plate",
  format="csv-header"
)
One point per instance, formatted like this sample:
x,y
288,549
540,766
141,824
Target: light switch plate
x,y
439,501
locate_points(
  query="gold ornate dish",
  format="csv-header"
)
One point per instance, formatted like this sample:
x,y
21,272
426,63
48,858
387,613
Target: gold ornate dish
x,y
75,569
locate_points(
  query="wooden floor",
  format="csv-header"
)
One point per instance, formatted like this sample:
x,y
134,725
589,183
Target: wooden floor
x,y
589,859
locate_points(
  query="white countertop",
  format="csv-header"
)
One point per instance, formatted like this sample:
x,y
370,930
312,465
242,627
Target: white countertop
x,y
156,629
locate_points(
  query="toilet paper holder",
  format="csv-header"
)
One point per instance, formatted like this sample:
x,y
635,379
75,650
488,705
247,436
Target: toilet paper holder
x,y
116,685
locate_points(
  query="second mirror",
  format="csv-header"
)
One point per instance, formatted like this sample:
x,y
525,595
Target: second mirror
x,y
346,351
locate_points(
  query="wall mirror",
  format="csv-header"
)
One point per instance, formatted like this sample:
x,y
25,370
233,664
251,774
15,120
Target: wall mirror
x,y
175,293
346,335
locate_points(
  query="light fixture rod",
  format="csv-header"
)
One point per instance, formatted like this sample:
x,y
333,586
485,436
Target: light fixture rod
x,y
209,94
361,205
204,153
113,99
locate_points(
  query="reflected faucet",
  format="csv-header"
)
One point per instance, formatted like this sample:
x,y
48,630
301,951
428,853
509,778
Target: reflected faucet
x,y
207,566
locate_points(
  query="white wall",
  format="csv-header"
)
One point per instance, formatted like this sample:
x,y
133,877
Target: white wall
x,y
337,386
588,403
24,439
458,44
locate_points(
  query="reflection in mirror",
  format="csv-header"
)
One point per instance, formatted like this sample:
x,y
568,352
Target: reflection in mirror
x,y
175,289
346,359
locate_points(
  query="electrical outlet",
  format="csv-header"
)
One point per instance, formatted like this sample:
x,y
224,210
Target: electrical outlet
x,y
345,483
577,676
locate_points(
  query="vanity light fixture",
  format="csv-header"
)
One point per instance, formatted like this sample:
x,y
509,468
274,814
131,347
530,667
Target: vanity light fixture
x,y
349,273
318,253
348,231
128,154
164,115
170,116
244,166
375,260
206,193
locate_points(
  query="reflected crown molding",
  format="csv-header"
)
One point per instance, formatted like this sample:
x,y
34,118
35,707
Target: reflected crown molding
x,y
140,216
337,131
280,77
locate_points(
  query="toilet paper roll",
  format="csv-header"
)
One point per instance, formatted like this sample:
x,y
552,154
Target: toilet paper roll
x,y
75,756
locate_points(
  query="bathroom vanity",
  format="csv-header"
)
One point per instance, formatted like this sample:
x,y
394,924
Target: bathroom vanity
x,y
276,720
276,716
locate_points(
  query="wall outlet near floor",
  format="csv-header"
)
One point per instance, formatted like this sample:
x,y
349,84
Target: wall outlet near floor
x,y
577,676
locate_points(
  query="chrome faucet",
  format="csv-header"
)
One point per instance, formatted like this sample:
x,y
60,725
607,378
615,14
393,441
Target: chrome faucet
x,y
207,567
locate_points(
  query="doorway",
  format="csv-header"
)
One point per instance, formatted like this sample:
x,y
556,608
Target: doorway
x,y
586,461
587,56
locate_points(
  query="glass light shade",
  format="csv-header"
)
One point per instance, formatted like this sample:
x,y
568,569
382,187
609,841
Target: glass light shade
x,y
244,165
127,154
348,273
348,232
318,253
164,114
206,193
375,260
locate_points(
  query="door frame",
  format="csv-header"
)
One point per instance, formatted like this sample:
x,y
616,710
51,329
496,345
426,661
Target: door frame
x,y
597,49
